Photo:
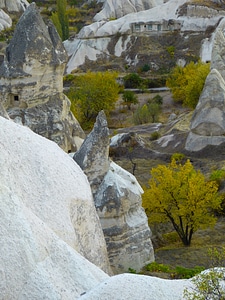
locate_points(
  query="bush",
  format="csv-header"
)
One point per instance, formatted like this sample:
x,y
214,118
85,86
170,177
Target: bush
x,y
129,98
132,81
154,136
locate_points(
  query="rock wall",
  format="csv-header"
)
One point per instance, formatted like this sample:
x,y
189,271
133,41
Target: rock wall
x,y
117,197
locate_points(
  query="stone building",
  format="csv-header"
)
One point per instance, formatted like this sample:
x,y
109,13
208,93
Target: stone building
x,y
31,81
152,27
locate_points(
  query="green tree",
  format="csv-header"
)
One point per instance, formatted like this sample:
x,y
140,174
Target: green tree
x,y
129,98
186,83
91,93
180,194
132,80
60,19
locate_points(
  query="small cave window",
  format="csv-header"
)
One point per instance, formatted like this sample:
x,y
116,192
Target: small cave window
x,y
16,98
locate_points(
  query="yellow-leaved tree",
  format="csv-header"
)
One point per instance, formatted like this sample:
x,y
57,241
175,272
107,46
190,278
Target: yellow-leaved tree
x,y
180,194
92,92
186,83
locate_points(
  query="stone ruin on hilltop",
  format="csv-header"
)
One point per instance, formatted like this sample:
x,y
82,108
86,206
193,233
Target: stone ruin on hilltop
x,y
31,81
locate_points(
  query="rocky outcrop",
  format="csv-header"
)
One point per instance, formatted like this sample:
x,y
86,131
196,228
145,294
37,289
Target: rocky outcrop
x,y
116,9
14,5
208,121
31,81
119,44
117,197
47,217
5,20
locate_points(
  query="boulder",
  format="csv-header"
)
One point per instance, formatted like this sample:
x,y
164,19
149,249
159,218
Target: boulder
x,y
117,197
41,180
31,81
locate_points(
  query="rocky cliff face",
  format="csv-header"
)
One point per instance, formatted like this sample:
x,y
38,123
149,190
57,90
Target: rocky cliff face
x,y
208,121
117,197
142,37
31,79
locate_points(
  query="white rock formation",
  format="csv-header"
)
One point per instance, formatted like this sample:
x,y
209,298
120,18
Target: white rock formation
x,y
117,197
51,186
14,5
93,40
117,9
208,120
5,20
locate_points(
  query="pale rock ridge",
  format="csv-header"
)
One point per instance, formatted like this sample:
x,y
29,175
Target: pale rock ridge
x,y
117,9
208,121
42,180
117,197
31,79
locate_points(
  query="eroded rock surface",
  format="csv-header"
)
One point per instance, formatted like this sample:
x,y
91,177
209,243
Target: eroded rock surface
x,y
31,81
208,121
47,217
117,197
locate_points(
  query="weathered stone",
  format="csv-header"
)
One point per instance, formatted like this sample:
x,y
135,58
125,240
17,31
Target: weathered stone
x,y
46,206
117,197
14,5
124,222
93,155
31,81
208,121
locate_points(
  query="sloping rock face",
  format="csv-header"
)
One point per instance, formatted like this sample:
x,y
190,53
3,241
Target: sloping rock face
x,y
47,217
141,38
208,121
130,286
117,197
31,81
117,9
14,5
5,20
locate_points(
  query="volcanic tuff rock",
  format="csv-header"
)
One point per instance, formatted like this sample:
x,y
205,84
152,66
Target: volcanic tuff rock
x,y
14,5
117,197
208,121
31,81
142,38
117,9
47,216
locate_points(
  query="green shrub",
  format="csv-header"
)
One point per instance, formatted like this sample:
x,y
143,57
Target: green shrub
x,y
218,176
156,267
142,115
154,136
186,273
178,157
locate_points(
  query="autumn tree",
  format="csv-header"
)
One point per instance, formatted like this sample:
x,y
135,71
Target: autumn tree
x,y
186,83
180,194
92,92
